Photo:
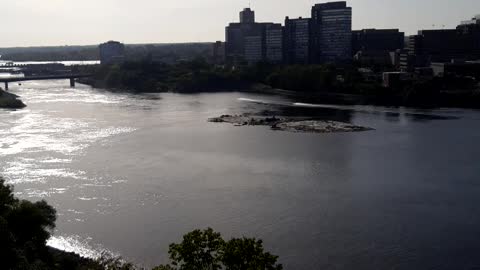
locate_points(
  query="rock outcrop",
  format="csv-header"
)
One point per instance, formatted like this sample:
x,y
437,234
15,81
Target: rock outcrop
x,y
293,124
10,101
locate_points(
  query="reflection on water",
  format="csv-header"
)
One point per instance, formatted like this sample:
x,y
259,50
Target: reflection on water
x,y
133,173
76,244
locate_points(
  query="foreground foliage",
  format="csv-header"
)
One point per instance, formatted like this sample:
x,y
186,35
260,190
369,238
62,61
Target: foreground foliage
x,y
25,228
206,250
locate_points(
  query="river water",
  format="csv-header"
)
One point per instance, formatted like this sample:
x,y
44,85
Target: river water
x,y
132,174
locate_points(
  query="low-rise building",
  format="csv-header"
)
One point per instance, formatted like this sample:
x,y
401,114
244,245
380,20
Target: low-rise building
x,y
457,68
396,79
112,52
218,52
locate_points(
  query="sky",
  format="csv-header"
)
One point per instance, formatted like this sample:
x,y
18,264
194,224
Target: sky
x,y
86,22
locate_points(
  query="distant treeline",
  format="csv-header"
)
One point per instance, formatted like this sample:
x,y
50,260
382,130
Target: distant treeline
x,y
315,83
59,53
168,53
149,76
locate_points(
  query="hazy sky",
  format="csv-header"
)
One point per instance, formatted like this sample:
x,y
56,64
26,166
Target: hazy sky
x,y
78,22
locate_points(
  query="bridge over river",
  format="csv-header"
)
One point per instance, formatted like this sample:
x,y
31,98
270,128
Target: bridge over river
x,y
70,77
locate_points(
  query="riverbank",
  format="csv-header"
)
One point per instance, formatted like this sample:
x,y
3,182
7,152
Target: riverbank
x,y
10,101
291,124
310,84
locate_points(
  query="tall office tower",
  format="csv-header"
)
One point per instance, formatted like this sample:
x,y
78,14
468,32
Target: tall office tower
x,y
297,40
469,31
247,16
331,33
274,43
244,42
236,47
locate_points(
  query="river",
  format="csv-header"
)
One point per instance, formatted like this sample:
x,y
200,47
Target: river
x,y
133,173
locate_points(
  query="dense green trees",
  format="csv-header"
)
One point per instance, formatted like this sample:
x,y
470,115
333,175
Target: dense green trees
x,y
198,76
303,78
24,229
206,250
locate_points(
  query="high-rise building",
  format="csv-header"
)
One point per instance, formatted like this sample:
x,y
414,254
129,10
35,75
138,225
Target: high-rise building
x,y
237,35
331,32
234,42
112,52
470,32
274,43
242,39
254,48
297,42
377,40
442,46
412,56
247,16
247,41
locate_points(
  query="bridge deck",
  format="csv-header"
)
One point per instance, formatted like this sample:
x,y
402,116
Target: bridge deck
x,y
46,77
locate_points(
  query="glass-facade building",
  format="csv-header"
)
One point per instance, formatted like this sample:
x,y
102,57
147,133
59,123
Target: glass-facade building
x,y
377,40
297,40
274,43
254,48
331,33
324,38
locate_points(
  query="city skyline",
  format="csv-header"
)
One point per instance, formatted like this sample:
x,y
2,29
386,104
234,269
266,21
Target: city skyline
x,y
67,22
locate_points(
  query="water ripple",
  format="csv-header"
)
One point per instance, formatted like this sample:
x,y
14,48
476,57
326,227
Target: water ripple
x,y
76,244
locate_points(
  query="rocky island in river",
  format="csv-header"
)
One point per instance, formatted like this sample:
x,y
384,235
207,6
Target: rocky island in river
x,y
10,101
292,124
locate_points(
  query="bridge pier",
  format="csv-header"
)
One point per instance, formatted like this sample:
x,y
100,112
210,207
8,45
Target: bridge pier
x,y
6,86
72,82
